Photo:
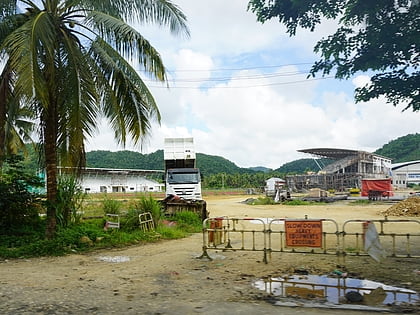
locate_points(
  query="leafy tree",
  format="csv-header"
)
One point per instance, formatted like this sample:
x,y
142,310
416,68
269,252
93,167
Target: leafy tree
x,y
18,205
379,36
67,59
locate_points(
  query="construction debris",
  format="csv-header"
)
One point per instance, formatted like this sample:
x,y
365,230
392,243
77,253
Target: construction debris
x,y
409,207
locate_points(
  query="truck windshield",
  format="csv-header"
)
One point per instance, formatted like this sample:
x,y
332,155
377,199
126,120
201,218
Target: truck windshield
x,y
178,178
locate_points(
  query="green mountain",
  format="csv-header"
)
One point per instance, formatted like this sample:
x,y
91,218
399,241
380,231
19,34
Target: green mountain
x,y
406,148
208,164
260,169
403,149
125,160
212,164
302,166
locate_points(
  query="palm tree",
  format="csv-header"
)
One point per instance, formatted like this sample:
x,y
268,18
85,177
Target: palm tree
x,y
68,58
16,119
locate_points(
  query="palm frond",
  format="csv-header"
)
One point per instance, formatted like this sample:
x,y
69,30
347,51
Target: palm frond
x,y
128,103
128,42
161,12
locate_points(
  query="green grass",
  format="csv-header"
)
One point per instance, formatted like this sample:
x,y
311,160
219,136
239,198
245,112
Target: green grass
x,y
263,201
89,235
298,202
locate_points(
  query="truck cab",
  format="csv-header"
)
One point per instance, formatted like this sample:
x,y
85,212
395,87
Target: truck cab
x,y
184,182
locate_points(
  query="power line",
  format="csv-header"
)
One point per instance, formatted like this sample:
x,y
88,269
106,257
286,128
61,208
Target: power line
x,y
206,82
246,86
242,68
239,77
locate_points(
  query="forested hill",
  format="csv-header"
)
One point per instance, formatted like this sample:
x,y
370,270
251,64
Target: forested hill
x,y
125,160
208,164
406,148
403,149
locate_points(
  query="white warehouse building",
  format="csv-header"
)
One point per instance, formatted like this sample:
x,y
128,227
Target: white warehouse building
x,y
405,173
107,180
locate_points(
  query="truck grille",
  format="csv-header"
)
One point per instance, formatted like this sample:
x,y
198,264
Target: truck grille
x,y
182,192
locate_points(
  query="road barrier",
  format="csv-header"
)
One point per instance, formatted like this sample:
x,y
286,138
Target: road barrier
x,y
314,236
394,243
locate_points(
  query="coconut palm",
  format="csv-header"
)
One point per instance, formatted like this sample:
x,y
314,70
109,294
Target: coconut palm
x,y
15,118
68,59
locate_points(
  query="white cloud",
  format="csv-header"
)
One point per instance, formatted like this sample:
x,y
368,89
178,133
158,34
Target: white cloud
x,y
361,80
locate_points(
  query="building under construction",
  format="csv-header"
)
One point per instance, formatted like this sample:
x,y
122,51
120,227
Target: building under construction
x,y
347,170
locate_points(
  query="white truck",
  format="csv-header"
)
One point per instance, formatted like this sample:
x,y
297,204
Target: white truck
x,y
182,177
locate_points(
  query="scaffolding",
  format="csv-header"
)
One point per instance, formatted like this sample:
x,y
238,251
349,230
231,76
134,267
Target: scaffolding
x,y
336,182
346,171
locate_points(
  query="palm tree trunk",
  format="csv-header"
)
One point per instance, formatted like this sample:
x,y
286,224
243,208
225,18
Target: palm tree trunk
x,y
3,103
51,167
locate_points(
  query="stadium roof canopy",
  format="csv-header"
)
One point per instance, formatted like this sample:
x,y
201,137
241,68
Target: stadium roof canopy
x,y
330,153
403,164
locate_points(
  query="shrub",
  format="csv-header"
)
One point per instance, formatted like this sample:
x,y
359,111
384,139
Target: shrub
x,y
263,201
149,204
130,221
111,206
69,200
188,221
188,217
18,205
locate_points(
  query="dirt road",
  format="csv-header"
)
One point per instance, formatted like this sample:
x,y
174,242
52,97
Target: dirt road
x,y
167,277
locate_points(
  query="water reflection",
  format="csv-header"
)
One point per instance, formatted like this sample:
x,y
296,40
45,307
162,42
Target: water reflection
x,y
335,289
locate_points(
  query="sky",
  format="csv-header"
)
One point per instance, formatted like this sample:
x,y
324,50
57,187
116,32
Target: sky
x,y
239,88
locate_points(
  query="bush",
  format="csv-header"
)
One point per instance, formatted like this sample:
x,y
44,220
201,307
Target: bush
x,y
149,204
130,221
69,200
154,207
263,201
111,206
18,205
188,218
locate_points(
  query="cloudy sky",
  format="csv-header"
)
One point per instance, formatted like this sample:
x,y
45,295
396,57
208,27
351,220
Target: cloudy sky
x,y
239,88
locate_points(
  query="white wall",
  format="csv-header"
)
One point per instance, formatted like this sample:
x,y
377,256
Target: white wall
x,y
131,183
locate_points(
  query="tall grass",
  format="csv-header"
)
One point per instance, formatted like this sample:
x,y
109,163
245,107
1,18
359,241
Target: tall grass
x,y
111,206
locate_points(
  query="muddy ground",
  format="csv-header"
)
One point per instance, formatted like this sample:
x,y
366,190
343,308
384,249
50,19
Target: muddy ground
x,y
167,278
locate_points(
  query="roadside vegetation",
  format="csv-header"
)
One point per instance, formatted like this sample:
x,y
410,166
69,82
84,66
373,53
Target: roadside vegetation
x,y
81,219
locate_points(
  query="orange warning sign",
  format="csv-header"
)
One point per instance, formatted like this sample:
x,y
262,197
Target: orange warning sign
x,y
303,233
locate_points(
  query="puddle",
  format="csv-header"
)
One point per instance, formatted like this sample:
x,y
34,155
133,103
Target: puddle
x,y
114,259
337,290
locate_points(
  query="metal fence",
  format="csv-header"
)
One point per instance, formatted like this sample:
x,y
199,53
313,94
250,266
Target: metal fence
x,y
315,236
394,242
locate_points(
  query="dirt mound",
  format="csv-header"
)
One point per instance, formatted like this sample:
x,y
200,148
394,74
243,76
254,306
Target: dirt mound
x,y
409,207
